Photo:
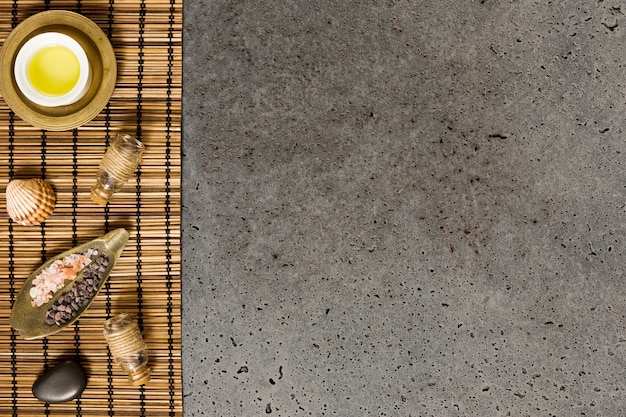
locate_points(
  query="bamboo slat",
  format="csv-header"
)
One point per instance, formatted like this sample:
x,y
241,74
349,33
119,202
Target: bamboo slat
x,y
146,280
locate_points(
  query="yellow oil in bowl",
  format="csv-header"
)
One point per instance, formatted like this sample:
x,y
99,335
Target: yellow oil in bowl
x,y
53,70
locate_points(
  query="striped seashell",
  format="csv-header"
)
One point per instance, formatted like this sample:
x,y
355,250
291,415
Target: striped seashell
x,y
30,202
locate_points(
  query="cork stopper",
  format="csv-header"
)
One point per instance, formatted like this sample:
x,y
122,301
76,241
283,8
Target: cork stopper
x,y
141,376
101,195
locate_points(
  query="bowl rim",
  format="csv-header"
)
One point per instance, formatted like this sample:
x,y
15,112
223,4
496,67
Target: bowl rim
x,y
103,67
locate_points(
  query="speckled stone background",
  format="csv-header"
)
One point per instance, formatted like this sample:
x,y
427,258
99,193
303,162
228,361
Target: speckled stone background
x,y
404,208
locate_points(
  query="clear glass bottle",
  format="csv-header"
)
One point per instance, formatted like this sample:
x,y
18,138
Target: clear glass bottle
x,y
118,164
128,347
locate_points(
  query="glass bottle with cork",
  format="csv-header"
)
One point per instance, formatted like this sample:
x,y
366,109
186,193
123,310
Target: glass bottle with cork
x,y
118,164
128,348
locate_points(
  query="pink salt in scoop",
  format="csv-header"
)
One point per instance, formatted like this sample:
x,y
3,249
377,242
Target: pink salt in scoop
x,y
54,277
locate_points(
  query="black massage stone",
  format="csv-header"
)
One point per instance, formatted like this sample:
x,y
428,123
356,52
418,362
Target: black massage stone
x,y
64,382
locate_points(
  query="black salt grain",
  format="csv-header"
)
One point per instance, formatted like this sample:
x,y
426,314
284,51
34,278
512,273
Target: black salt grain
x,y
67,306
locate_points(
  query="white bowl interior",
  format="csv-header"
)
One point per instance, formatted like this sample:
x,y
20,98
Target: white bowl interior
x,y
45,40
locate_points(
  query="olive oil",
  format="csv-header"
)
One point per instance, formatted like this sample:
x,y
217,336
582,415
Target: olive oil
x,y
53,70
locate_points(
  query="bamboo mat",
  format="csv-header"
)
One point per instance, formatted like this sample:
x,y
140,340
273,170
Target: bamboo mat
x,y
147,38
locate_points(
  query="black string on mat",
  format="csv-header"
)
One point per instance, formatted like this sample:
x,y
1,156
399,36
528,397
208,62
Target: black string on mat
x,y
140,70
12,289
46,362
75,231
107,286
168,164
75,242
142,23
11,244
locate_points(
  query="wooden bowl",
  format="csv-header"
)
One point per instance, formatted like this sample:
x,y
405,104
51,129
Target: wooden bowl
x,y
101,58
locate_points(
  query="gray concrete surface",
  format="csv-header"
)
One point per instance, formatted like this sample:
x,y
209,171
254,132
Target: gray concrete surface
x,y
404,208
